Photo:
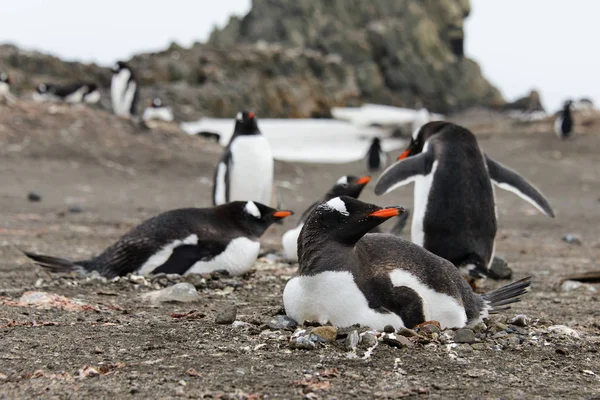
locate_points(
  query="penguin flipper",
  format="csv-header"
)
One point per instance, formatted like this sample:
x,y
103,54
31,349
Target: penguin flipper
x,y
403,172
184,257
221,180
508,179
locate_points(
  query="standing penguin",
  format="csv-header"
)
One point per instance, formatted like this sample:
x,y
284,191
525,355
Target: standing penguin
x,y
376,157
454,205
156,110
5,94
188,240
347,276
563,124
347,185
123,90
245,171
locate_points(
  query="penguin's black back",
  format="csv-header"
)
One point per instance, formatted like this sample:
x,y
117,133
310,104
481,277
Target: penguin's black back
x,y
460,222
567,122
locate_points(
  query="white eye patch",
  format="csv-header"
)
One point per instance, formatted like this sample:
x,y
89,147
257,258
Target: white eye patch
x,y
343,180
338,205
239,117
251,209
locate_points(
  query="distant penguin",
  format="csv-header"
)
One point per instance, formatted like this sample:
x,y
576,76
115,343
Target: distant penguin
x,y
345,186
245,171
73,93
376,157
347,276
189,240
563,124
5,94
454,212
157,111
123,90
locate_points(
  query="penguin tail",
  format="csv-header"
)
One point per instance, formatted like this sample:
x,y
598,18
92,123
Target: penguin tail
x,y
499,299
55,264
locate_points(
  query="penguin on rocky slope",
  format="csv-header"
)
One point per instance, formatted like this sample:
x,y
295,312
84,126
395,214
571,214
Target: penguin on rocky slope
x,y
73,93
183,241
156,110
245,171
347,276
563,124
347,185
376,157
5,94
123,90
454,212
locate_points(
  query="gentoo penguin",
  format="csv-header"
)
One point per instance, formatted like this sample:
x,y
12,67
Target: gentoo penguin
x,y
157,111
5,94
123,90
347,276
345,186
189,240
73,93
563,124
376,157
245,171
454,213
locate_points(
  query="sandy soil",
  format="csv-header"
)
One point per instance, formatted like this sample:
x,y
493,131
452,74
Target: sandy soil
x,y
121,346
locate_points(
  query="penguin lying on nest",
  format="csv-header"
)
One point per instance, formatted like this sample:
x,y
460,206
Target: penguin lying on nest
x,y
348,276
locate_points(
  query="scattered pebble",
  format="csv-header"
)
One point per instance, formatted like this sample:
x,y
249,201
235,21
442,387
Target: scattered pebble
x,y
282,322
572,239
182,292
34,197
389,329
407,332
464,336
429,329
564,330
227,315
561,350
324,333
499,269
368,339
519,320
352,340
397,340
75,209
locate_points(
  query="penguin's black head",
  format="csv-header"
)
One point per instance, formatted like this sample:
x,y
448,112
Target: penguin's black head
x,y
348,185
245,123
119,66
345,220
253,217
156,102
421,136
5,78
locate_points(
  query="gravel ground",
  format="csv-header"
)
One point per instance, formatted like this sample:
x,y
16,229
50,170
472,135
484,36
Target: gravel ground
x,y
98,176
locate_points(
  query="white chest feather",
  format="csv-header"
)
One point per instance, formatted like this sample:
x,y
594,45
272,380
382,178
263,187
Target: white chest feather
x,y
157,113
118,88
436,306
558,125
421,197
92,97
4,89
237,258
220,185
251,171
76,96
333,297
290,243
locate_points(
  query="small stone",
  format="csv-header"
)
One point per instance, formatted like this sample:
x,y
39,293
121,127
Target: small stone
x,y
389,329
564,330
227,315
499,269
519,320
588,372
197,280
302,343
513,340
397,341
499,334
34,197
282,322
480,327
75,209
134,389
98,350
429,329
479,346
568,286
181,292
463,348
368,339
464,336
182,383
324,333
240,324
138,280
407,332
352,340
497,327
572,239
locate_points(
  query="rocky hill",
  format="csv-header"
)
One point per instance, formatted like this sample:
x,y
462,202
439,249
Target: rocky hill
x,y
298,59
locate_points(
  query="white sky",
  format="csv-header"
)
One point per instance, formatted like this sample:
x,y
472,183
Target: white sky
x,y
516,42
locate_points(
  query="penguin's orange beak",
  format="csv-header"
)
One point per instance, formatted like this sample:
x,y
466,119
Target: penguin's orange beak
x,y
404,155
251,114
282,214
387,212
364,180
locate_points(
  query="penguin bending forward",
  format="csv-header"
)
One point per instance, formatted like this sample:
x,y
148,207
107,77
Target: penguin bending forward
x,y
348,276
123,90
376,157
454,213
245,171
183,241
563,124
73,93
347,185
